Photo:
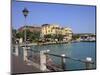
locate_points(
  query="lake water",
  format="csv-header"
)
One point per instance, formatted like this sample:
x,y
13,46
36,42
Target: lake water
x,y
79,50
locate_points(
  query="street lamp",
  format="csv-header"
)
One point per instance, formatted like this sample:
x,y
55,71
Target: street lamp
x,y
25,13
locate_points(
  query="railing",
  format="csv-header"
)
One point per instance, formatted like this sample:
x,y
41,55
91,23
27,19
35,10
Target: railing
x,y
88,62
43,61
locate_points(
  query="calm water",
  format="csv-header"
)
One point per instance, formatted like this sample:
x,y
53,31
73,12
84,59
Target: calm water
x,y
79,50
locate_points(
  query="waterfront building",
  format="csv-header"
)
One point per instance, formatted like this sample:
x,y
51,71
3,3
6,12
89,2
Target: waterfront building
x,y
85,37
32,33
49,29
30,28
67,32
54,29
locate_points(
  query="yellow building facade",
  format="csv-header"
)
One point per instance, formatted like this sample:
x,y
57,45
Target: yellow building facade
x,y
56,29
49,29
67,32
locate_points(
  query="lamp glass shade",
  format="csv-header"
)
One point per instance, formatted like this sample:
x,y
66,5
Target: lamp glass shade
x,y
25,12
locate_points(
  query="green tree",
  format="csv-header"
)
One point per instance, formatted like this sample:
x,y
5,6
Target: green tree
x,y
60,37
47,36
14,36
20,34
75,36
35,36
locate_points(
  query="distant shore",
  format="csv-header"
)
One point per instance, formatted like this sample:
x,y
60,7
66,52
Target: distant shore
x,y
45,43
51,43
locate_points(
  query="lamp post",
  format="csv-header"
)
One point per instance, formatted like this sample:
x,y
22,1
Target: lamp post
x,y
25,13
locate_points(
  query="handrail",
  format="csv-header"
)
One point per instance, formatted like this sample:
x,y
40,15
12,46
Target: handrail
x,y
83,61
66,57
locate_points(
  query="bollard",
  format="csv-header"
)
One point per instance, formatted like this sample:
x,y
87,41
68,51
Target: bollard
x,y
88,63
16,50
43,60
47,51
25,54
63,60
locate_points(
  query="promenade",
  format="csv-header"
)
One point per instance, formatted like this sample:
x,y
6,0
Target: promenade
x,y
19,66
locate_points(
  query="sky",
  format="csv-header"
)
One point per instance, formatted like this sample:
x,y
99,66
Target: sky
x,y
80,18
